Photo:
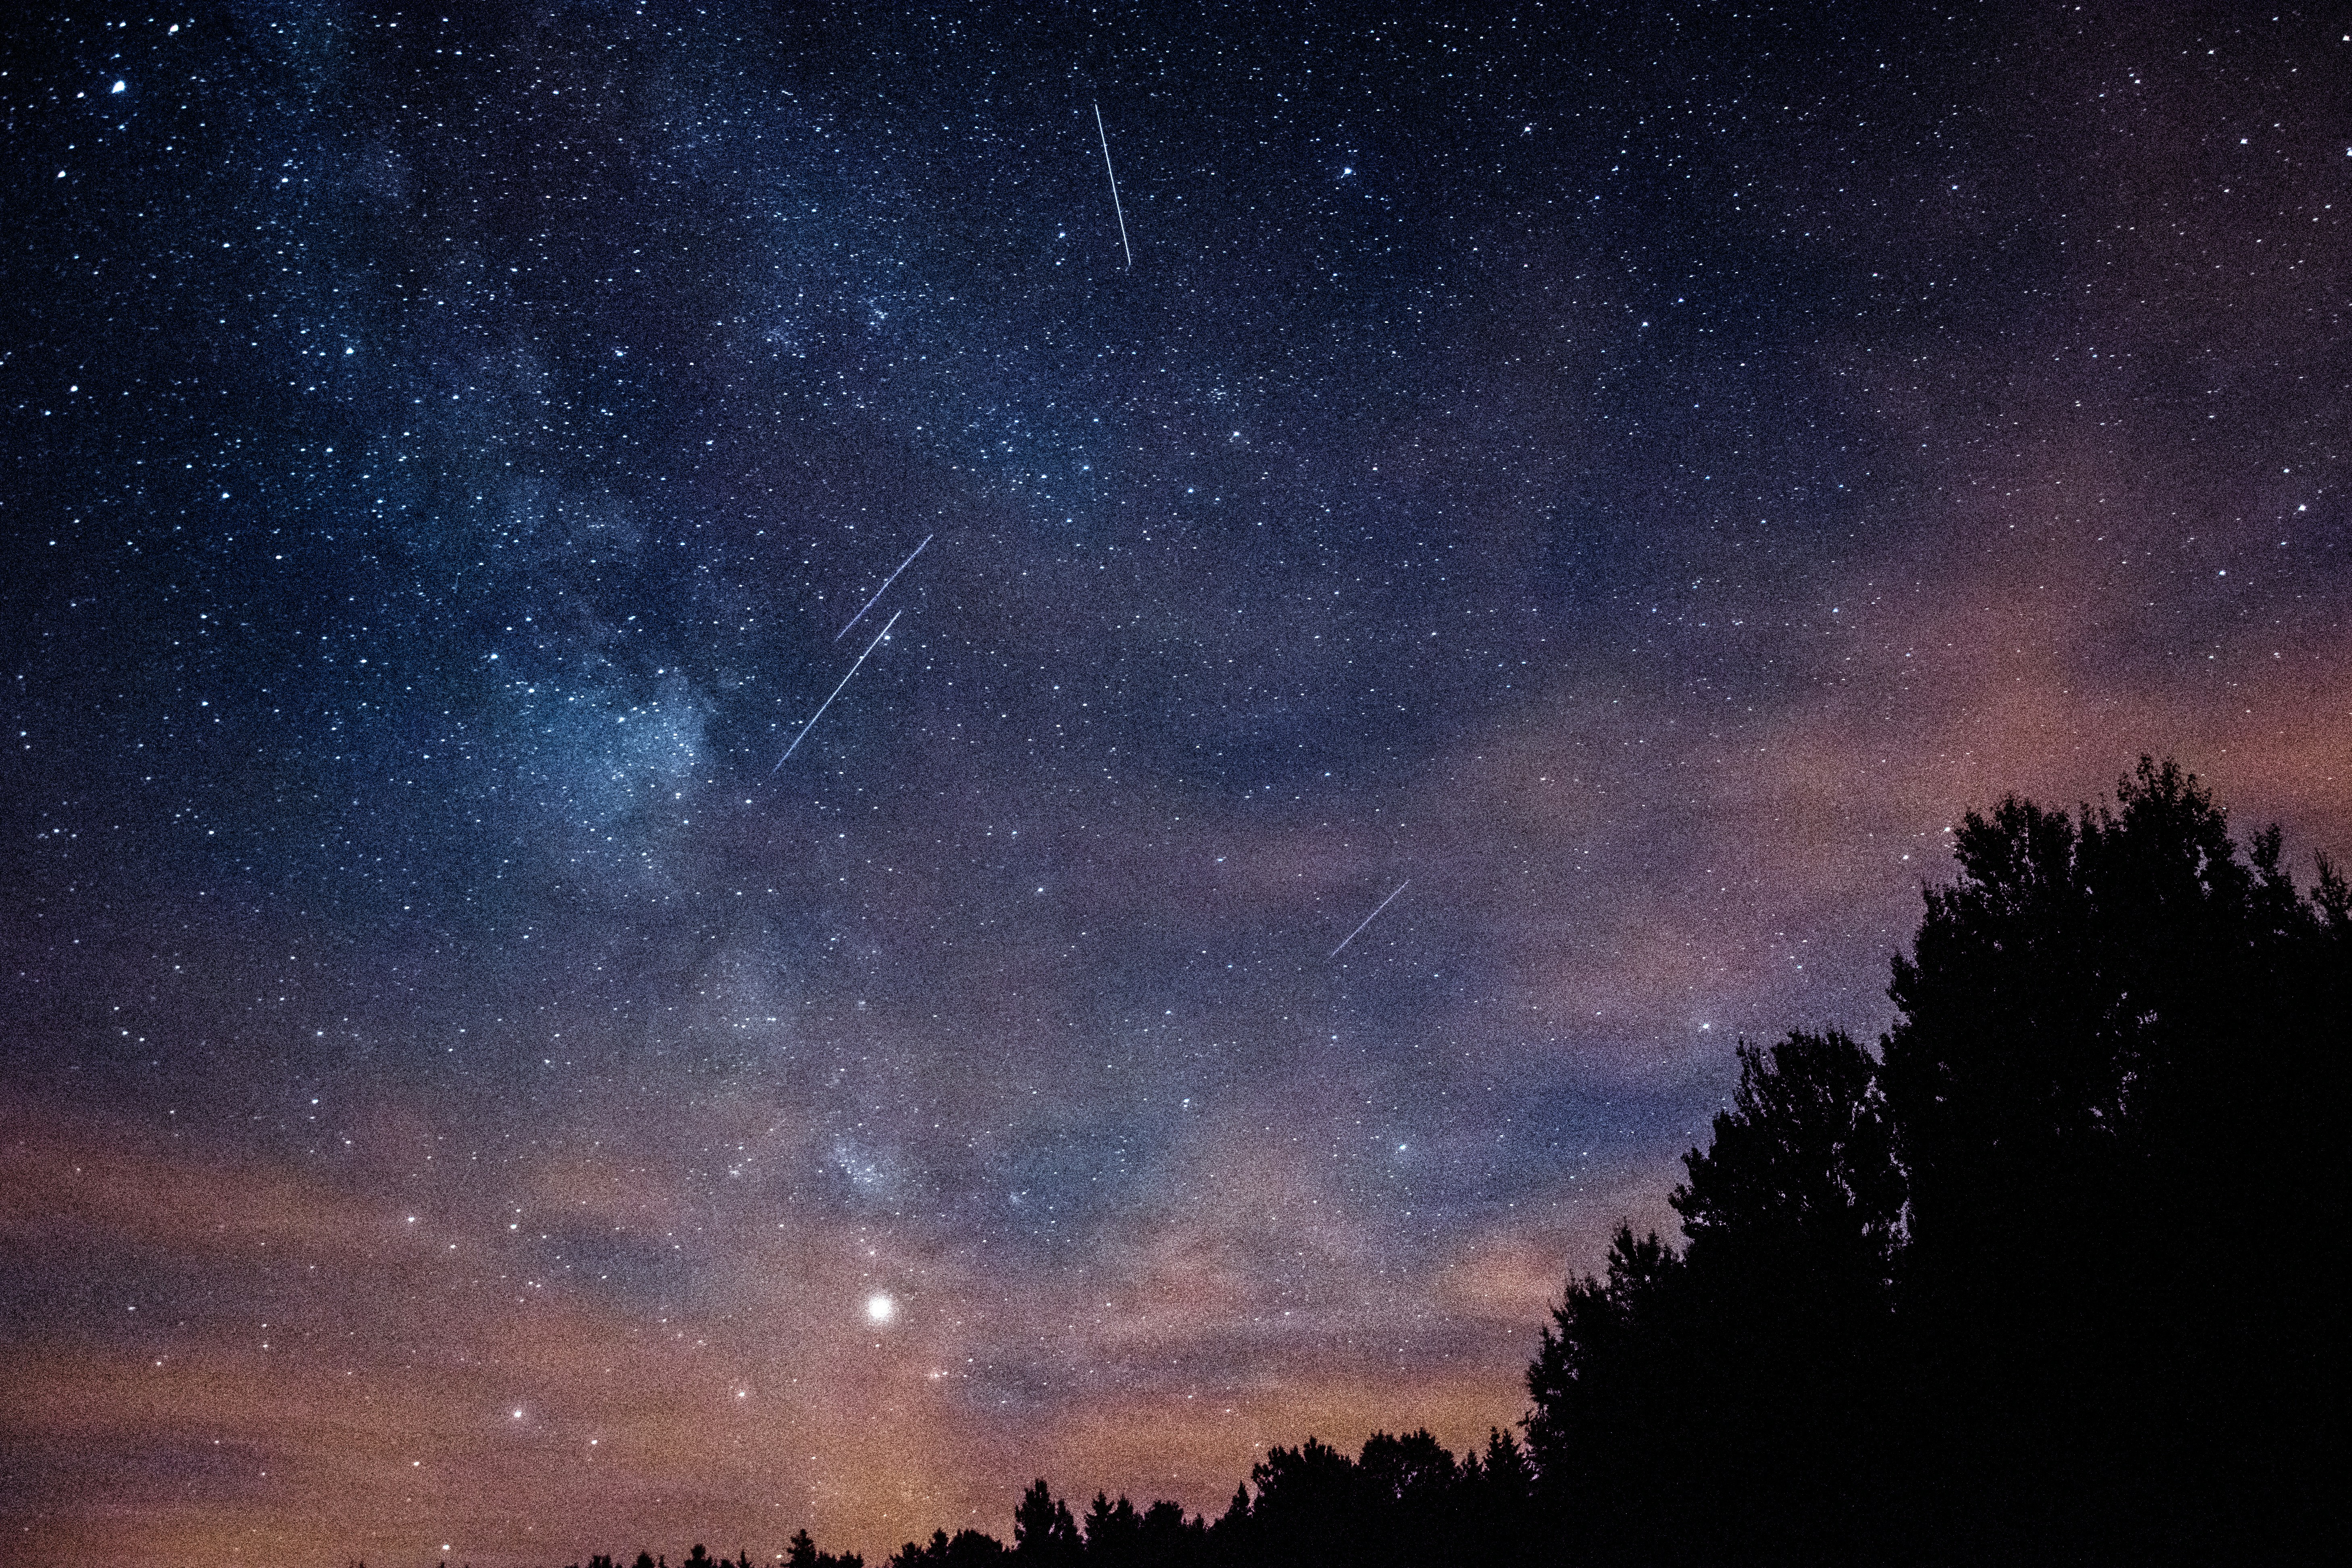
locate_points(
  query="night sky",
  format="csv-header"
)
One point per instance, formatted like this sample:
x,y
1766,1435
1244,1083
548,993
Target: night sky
x,y
1620,481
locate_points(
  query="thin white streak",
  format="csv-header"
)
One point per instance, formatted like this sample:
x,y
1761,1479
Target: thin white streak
x,y
878,592
1115,207
795,745
1368,919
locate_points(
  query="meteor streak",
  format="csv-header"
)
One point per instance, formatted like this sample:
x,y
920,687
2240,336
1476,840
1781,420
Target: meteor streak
x,y
1368,919
878,592
795,745
1115,209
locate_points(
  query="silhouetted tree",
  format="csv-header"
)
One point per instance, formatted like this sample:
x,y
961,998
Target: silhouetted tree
x,y
1495,1504
2039,1283
1794,1216
1607,1390
1402,1501
965,1549
1412,1472
1114,1532
801,1552
1168,1540
2116,1038
1801,1168
1412,1499
1042,1531
1306,1497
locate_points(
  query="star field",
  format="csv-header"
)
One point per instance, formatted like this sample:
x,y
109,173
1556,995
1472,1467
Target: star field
x,y
1615,484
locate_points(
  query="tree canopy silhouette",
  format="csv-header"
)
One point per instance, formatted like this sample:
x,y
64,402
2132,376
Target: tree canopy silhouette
x,y
2037,1283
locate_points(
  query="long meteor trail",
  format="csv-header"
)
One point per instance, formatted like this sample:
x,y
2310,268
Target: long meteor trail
x,y
878,592
1119,212
1368,919
795,745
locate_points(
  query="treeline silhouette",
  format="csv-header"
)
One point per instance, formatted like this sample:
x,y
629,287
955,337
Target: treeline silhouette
x,y
2044,1279
1403,1501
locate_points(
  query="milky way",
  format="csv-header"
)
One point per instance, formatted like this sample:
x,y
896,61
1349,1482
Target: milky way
x,y
1635,479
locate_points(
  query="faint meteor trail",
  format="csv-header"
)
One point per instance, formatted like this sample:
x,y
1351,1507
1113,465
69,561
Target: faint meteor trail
x,y
1115,207
878,592
1368,919
795,745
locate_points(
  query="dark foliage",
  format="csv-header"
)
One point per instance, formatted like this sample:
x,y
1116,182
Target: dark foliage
x,y
1754,1359
966,1548
1043,1533
2035,1285
801,1553
1404,1501
2117,1041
